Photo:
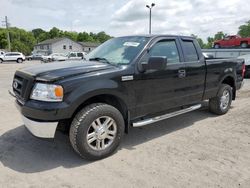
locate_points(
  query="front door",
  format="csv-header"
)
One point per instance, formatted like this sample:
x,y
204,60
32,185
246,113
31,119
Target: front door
x,y
157,91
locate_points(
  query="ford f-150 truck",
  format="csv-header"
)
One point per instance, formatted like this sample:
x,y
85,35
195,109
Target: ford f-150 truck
x,y
232,41
126,82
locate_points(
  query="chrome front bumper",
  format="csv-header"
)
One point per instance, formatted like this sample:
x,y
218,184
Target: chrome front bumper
x,y
37,128
40,129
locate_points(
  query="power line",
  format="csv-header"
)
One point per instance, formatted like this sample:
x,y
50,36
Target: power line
x,y
7,24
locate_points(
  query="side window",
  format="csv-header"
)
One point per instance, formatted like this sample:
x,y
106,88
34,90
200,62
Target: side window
x,y
72,55
79,55
167,49
190,51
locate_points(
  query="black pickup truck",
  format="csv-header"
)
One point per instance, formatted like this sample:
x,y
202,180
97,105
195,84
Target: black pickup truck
x,y
126,82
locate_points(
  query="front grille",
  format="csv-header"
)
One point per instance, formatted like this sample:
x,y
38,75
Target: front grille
x,y
22,86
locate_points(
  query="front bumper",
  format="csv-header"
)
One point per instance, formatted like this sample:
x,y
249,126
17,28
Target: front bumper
x,y
40,129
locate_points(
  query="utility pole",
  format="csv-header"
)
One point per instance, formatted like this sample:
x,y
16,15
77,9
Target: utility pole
x,y
6,24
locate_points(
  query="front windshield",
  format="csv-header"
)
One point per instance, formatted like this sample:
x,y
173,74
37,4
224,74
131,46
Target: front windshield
x,y
121,50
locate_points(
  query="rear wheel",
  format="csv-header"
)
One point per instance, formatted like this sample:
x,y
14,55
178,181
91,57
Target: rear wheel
x,y
244,45
222,102
96,131
19,60
1,61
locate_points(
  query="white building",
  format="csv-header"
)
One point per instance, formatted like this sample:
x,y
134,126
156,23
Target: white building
x,y
62,45
57,45
88,46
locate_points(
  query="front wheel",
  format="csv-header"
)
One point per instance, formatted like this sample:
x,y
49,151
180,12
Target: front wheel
x,y
222,102
96,131
216,46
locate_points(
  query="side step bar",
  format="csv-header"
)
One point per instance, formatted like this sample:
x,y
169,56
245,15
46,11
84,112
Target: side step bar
x,y
165,116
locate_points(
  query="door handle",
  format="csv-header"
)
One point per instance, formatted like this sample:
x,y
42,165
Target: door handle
x,y
181,73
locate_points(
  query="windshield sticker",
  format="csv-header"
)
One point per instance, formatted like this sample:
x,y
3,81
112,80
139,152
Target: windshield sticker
x,y
134,44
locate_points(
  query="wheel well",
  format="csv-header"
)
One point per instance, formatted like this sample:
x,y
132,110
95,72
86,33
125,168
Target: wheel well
x,y
230,81
243,42
105,98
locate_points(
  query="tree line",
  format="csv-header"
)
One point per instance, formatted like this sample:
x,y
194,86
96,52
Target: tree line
x,y
24,41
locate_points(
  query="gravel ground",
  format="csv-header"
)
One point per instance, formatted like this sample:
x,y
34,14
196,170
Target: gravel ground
x,y
197,149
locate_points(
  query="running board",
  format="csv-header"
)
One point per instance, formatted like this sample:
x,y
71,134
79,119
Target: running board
x,y
165,116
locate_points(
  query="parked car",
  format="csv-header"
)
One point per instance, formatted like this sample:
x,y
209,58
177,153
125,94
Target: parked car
x,y
127,81
247,64
76,55
54,57
34,57
232,41
12,56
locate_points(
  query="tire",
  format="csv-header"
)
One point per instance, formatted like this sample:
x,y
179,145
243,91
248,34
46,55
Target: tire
x,y
19,60
221,103
1,61
88,123
216,46
244,45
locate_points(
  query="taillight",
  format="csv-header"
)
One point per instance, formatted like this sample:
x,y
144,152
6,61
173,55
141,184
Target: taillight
x,y
243,70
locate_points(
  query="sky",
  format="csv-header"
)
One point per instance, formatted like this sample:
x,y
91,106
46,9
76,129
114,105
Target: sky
x,y
126,17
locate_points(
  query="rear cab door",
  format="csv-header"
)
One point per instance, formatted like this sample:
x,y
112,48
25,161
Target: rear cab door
x,y
195,70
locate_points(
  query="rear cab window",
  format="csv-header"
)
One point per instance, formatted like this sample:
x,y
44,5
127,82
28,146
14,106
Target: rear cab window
x,y
189,50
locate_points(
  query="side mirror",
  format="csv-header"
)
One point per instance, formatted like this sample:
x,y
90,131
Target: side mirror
x,y
155,63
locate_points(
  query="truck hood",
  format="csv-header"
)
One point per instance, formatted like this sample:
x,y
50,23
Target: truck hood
x,y
59,70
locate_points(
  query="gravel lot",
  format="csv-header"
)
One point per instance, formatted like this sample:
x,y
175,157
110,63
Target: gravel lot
x,y
193,150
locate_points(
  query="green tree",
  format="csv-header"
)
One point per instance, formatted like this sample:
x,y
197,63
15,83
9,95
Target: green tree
x,y
209,43
102,37
37,32
85,37
244,30
3,39
199,40
219,35
72,35
55,33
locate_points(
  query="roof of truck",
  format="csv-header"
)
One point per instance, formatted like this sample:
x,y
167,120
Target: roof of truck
x,y
158,35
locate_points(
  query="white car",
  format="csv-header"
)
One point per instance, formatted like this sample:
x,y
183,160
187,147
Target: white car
x,y
12,56
55,57
247,64
76,55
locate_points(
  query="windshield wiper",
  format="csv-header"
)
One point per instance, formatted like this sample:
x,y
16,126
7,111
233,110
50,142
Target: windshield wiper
x,y
102,59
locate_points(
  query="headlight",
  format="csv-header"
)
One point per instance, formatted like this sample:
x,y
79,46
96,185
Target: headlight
x,y
47,92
